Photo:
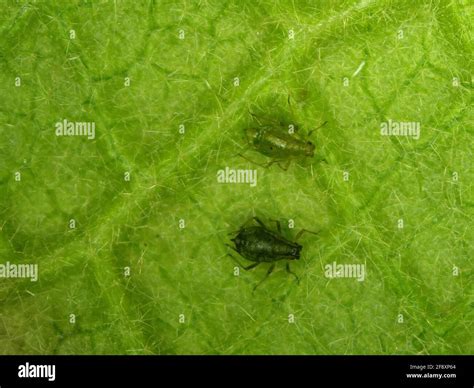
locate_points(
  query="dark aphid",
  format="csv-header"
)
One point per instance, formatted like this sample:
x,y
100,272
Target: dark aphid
x,y
280,143
259,244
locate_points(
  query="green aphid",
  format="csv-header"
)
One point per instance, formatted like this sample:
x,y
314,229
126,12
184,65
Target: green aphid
x,y
259,244
282,144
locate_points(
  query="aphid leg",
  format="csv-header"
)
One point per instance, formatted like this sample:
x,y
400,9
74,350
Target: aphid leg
x,y
285,166
251,161
300,233
231,247
278,163
255,117
259,221
266,165
246,268
265,118
251,266
270,270
278,225
322,160
315,129
249,222
292,273
270,163
289,104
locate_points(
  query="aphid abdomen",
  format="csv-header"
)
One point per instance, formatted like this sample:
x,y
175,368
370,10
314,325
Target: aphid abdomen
x,y
260,245
279,144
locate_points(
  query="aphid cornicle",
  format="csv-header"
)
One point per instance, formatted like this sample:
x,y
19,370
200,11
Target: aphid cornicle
x,y
259,244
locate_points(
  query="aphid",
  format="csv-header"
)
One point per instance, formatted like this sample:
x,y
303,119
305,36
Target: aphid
x,y
259,244
280,143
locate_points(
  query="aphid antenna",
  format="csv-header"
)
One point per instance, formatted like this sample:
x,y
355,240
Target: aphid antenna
x,y
315,129
302,231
